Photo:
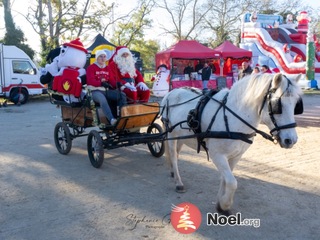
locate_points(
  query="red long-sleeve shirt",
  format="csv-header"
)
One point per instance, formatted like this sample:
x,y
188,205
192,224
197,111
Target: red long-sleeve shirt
x,y
95,74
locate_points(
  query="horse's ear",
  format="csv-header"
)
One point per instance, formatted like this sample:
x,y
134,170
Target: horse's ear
x,y
276,81
299,76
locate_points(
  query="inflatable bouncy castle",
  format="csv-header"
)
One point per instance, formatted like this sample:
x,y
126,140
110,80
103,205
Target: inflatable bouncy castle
x,y
282,45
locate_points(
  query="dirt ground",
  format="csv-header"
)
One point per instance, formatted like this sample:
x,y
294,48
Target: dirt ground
x,y
46,195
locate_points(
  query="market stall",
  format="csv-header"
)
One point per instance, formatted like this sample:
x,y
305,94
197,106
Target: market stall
x,y
182,54
231,58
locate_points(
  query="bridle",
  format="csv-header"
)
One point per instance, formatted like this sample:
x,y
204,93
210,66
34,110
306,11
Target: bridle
x,y
275,107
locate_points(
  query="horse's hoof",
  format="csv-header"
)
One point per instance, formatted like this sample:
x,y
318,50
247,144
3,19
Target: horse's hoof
x,y
180,189
223,212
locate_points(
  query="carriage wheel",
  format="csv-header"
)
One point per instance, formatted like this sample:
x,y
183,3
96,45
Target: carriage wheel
x,y
95,149
62,138
155,148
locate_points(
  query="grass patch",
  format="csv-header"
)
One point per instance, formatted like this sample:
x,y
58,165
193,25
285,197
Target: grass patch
x,y
311,91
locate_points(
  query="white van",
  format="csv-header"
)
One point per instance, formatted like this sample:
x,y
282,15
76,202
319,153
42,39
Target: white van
x,y
19,76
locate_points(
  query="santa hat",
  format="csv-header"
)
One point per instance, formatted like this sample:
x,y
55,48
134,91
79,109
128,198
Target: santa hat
x,y
121,50
76,44
100,52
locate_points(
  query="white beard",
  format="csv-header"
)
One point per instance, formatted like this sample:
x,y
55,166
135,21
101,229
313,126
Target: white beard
x,y
126,65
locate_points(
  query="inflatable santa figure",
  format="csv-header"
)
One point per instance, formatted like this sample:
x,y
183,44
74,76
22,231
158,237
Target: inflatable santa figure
x,y
161,81
303,21
124,75
70,69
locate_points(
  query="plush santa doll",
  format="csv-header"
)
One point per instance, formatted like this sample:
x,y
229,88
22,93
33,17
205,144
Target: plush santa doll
x,y
123,74
70,69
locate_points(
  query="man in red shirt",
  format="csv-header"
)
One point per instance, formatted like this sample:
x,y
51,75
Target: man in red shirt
x,y
100,87
124,75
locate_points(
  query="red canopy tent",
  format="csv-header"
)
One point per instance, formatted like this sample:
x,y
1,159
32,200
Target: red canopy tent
x,y
185,49
232,55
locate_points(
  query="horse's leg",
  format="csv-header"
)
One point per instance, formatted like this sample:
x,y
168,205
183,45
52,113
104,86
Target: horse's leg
x,y
228,184
172,151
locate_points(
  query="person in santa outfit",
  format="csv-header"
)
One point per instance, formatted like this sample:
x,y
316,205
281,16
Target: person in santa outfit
x,y
97,80
124,75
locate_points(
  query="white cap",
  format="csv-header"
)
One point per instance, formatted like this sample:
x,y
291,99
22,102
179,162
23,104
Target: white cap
x,y
100,52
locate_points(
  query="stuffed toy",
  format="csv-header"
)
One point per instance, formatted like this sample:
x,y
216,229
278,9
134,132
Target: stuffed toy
x,y
68,70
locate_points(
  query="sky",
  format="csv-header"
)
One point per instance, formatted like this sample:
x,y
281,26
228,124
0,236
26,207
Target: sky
x,y
20,7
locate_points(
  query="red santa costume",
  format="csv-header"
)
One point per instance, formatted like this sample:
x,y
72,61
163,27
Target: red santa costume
x,y
122,72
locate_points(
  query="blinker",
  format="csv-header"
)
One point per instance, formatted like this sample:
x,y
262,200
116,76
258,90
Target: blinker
x,y
275,106
298,109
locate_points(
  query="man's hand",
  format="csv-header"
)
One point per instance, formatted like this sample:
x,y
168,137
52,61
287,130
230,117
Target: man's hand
x,y
142,86
130,86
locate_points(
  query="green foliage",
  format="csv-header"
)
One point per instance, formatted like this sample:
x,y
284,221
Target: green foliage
x,y
14,36
148,50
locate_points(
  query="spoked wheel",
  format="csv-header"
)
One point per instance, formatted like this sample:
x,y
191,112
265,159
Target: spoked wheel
x,y
155,148
62,138
95,149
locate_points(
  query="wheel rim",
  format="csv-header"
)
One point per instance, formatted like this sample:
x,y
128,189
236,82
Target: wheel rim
x,y
156,148
155,145
62,139
95,149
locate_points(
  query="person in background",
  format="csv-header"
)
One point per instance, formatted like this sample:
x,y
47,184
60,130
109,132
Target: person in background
x,y
174,71
97,81
245,71
205,75
265,69
256,70
188,70
199,66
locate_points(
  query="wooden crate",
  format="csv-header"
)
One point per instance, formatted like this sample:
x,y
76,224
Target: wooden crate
x,y
81,117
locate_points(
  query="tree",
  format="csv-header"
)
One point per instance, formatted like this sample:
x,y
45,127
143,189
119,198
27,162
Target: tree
x,y
182,12
14,36
132,29
130,32
224,20
62,20
148,50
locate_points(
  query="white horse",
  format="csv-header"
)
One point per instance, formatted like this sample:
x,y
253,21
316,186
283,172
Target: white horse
x,y
231,118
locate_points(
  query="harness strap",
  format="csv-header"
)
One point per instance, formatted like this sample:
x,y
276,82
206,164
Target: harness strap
x,y
218,134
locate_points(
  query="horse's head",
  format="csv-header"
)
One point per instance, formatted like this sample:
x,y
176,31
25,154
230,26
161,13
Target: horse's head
x,y
281,103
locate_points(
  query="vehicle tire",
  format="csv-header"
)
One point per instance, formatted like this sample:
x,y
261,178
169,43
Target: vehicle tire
x,y
15,96
155,148
62,138
95,149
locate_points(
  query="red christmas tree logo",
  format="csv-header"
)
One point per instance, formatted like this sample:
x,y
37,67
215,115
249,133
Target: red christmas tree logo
x,y
185,217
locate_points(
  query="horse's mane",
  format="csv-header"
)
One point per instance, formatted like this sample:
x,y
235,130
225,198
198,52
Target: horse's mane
x,y
252,89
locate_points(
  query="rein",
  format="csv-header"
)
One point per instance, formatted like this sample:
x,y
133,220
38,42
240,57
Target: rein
x,y
227,134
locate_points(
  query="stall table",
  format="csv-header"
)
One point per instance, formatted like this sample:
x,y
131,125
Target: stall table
x,y
212,84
